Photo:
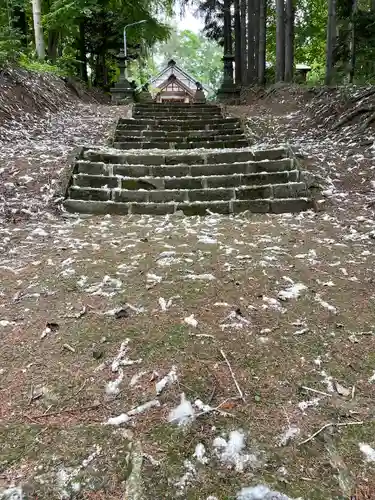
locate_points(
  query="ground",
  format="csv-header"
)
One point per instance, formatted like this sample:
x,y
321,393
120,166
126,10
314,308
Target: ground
x,y
267,319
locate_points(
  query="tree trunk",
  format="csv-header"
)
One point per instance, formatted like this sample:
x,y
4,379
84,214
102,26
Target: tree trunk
x,y
352,41
82,52
256,37
251,28
38,30
53,40
243,40
262,42
237,43
289,40
331,38
19,21
280,40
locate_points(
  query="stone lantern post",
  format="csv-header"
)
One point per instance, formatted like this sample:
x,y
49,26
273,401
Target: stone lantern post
x,y
122,92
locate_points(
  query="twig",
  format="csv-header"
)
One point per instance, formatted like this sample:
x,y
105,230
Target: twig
x,y
332,424
217,408
31,394
205,335
286,416
316,391
212,395
233,377
66,410
69,348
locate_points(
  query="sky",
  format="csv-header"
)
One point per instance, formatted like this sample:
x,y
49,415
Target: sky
x,y
189,22
186,22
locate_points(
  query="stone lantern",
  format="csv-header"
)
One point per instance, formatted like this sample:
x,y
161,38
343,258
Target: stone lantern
x,y
122,92
199,96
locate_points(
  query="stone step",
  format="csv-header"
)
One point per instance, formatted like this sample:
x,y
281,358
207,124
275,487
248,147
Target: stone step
x,y
182,145
120,137
176,135
276,206
180,127
182,158
173,106
202,122
177,117
178,112
184,182
181,195
91,169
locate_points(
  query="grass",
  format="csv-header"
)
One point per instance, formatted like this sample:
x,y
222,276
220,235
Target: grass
x,y
270,365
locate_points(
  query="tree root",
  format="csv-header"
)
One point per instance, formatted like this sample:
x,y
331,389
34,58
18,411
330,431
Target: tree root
x,y
349,116
368,120
368,93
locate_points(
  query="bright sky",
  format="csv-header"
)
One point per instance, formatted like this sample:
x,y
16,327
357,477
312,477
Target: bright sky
x,y
189,22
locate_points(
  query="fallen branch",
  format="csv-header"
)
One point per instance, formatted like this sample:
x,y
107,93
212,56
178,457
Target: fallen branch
x,y
349,116
368,93
332,424
368,121
233,377
315,391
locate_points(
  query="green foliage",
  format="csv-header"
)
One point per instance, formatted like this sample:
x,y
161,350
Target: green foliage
x,y
10,45
39,66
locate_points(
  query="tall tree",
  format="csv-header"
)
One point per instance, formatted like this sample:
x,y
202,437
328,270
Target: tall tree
x,y
256,25
331,38
289,40
38,30
352,47
243,40
262,42
280,40
237,42
251,28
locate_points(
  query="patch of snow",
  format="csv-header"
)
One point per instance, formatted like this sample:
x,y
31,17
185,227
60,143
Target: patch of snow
x,y
112,388
183,414
199,453
261,492
200,277
12,493
292,292
144,407
120,419
5,322
231,452
136,377
368,451
191,321
169,379
325,304
291,433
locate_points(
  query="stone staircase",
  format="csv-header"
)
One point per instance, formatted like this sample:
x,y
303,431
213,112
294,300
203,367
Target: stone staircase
x,y
193,160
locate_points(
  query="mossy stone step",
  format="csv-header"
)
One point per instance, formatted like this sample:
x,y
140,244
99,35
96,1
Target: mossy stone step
x,y
276,206
182,145
101,169
191,158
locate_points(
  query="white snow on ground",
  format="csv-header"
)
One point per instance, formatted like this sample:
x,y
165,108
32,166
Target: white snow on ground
x,y
231,451
368,451
169,379
183,414
12,493
261,492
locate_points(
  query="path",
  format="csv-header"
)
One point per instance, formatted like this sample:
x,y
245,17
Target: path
x,y
183,291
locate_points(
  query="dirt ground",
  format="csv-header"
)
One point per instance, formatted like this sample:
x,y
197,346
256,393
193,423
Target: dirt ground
x,y
196,358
